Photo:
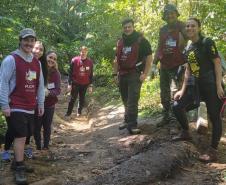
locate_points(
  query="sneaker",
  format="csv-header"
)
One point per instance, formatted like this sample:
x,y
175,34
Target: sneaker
x,y
183,136
123,126
28,153
27,168
20,177
209,156
6,156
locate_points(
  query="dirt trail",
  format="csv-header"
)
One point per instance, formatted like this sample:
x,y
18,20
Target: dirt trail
x,y
92,150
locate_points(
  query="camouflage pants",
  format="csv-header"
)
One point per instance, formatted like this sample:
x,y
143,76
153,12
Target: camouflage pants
x,y
168,87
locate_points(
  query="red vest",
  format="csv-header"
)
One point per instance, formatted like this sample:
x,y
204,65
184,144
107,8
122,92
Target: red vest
x,y
170,54
24,96
50,101
127,57
82,70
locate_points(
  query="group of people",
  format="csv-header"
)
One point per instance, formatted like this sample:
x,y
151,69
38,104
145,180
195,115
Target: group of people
x,y
30,83
181,90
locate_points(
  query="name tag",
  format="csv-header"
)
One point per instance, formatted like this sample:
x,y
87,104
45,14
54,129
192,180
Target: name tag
x,y
127,50
172,43
51,86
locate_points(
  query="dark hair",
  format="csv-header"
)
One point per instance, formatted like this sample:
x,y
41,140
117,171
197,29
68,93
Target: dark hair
x,y
198,22
42,59
49,52
127,20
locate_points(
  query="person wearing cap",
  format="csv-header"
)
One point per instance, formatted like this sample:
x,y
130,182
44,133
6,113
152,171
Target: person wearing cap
x,y
131,67
172,40
80,79
21,90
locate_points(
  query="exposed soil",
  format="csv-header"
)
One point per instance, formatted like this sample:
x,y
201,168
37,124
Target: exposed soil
x,y
90,150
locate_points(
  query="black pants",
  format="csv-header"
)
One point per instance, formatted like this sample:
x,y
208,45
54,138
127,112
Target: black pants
x,y
45,121
77,90
208,94
129,87
23,125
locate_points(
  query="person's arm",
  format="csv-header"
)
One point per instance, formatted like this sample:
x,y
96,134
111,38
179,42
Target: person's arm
x,y
115,67
8,70
41,93
156,56
70,73
91,74
214,56
56,90
218,74
181,92
147,68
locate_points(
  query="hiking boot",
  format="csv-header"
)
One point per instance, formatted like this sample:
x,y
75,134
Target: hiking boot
x,y
20,177
28,153
183,136
6,156
27,168
210,156
122,126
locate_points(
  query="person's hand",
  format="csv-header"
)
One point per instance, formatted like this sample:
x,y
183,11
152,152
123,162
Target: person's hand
x,y
220,92
143,77
40,111
69,88
6,112
178,95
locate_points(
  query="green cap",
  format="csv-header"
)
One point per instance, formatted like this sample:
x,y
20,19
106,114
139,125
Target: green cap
x,y
169,8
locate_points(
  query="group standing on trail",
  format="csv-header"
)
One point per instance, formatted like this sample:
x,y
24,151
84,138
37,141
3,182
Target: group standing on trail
x,y
30,83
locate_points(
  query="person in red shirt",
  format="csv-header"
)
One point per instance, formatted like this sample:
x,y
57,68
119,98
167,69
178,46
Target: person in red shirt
x,y
80,78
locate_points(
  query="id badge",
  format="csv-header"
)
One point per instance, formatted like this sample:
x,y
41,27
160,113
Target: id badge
x,y
51,86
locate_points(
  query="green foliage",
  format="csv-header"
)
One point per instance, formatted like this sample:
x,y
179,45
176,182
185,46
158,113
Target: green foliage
x,y
2,126
150,98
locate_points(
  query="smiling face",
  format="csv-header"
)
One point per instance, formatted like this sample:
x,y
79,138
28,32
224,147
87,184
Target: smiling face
x,y
51,59
192,29
128,28
38,50
27,44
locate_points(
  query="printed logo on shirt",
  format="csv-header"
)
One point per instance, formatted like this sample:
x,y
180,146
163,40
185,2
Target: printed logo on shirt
x,y
30,83
30,75
193,64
